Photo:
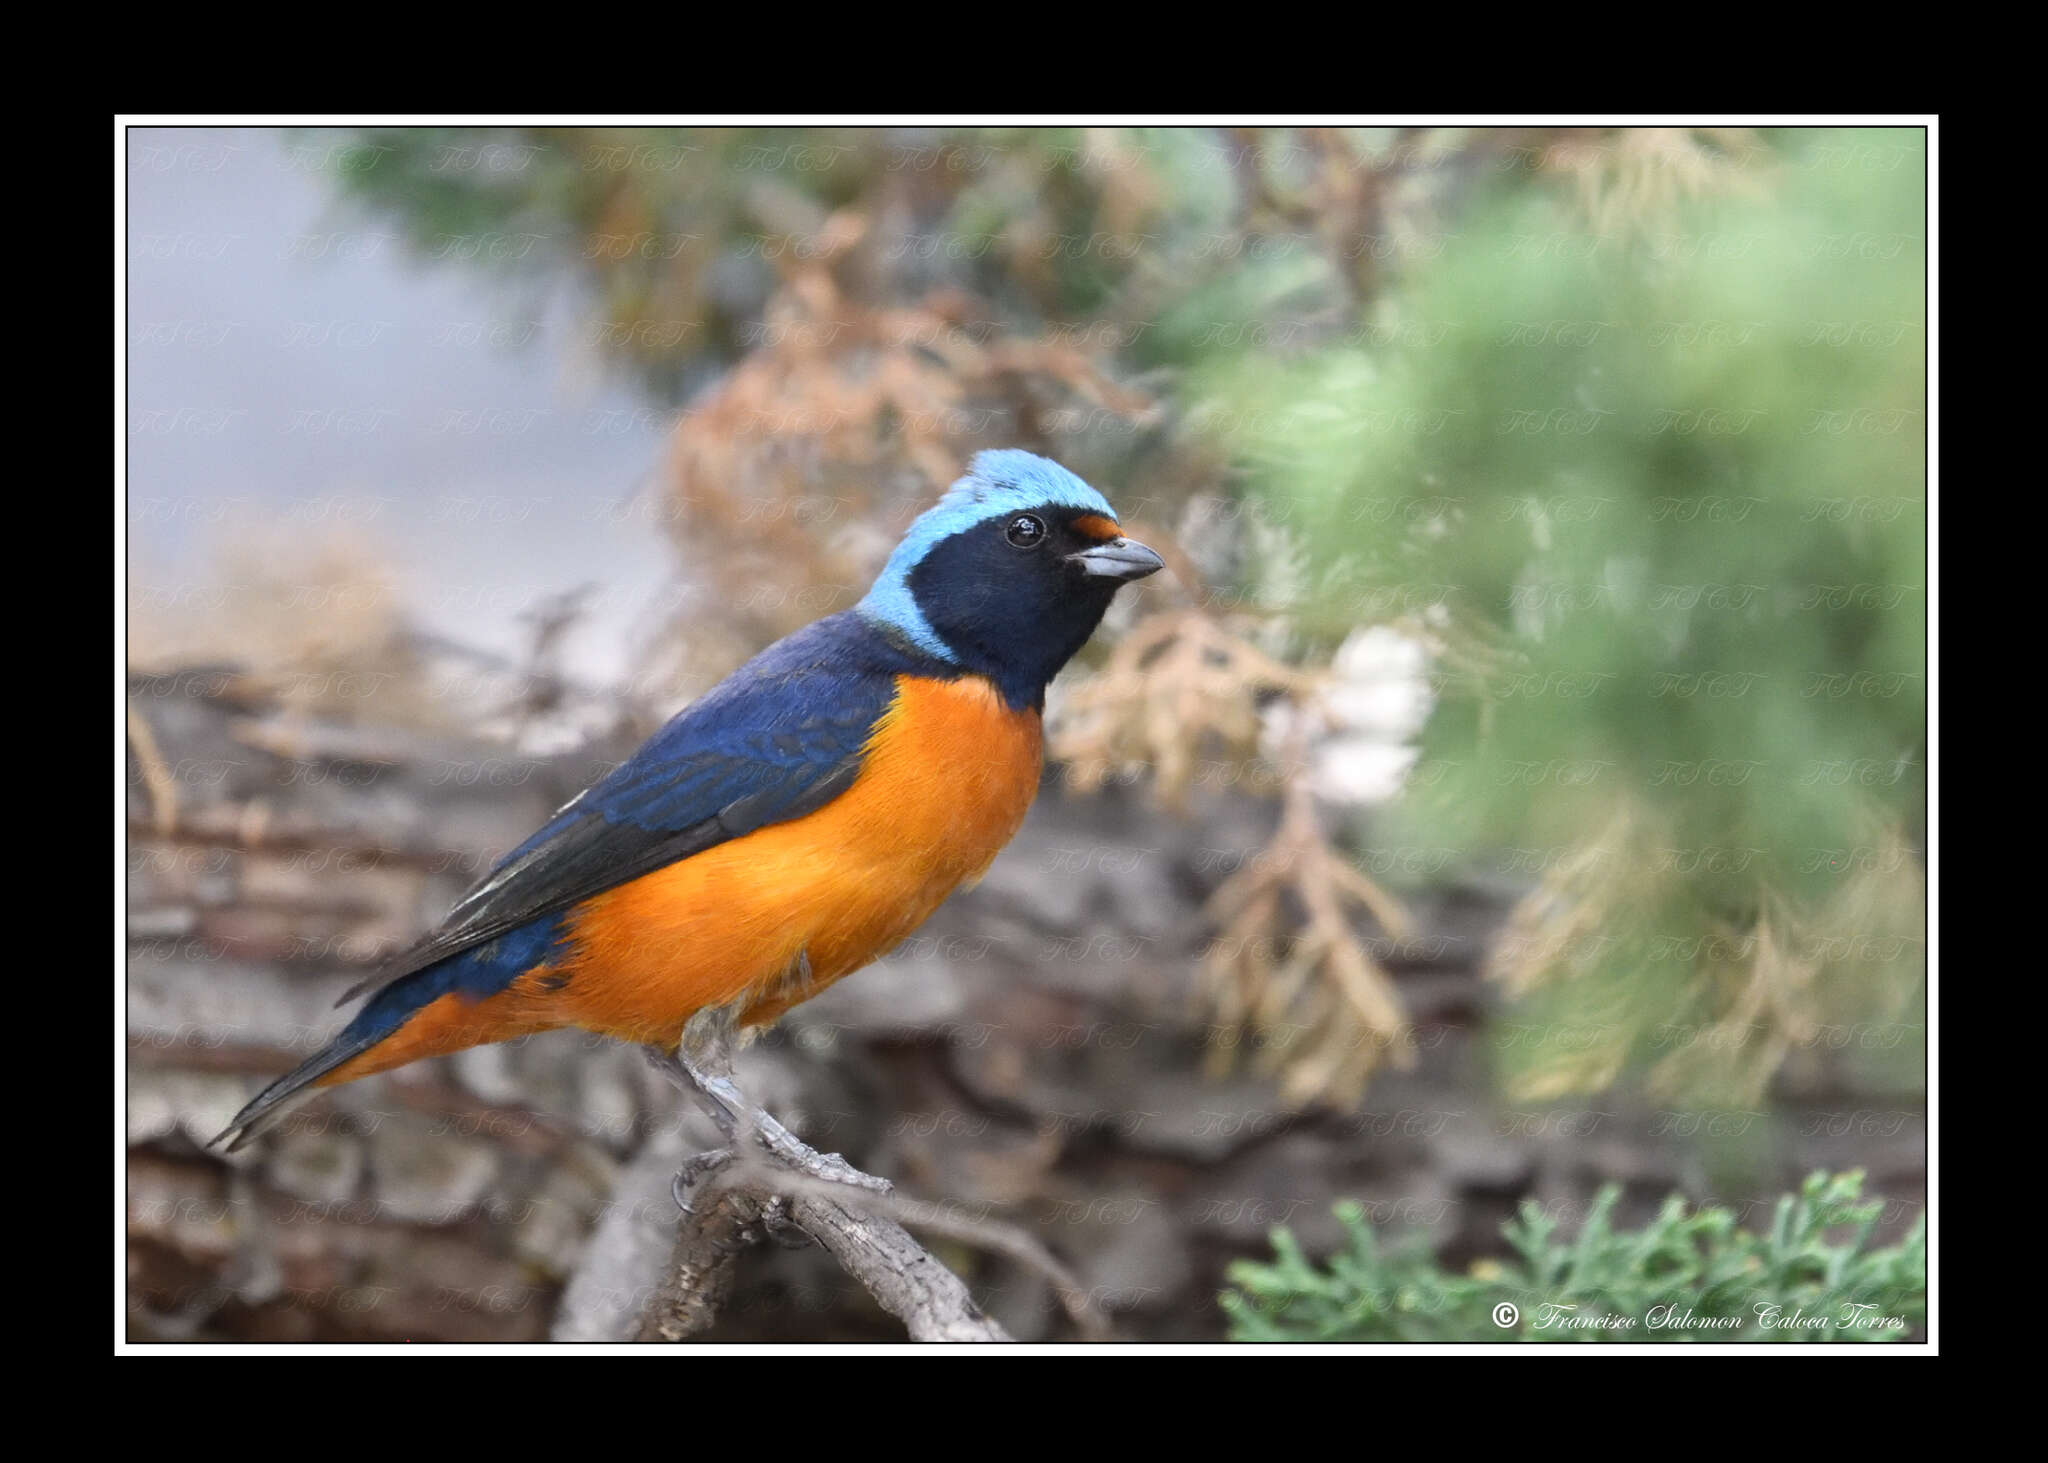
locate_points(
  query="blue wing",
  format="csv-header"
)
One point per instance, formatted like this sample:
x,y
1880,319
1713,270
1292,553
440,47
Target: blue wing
x,y
780,737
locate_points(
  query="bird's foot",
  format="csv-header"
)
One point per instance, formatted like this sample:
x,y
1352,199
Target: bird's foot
x,y
694,1171
795,1154
776,1223
741,1121
781,1227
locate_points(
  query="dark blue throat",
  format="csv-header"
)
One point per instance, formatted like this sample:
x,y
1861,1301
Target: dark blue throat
x,y
1014,617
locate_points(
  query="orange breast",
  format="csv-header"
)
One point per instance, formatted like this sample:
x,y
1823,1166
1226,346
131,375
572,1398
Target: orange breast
x,y
949,773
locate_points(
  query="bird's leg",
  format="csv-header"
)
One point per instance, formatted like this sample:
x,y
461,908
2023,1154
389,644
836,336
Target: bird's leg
x,y
702,1064
705,1051
740,1119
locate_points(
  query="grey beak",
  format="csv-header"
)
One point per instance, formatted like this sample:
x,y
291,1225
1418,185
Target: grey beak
x,y
1120,558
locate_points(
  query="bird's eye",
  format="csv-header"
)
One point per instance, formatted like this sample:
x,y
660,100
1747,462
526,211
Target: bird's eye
x,y
1026,531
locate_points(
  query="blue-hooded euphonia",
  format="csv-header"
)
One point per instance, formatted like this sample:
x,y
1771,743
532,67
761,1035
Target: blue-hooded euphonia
x,y
796,821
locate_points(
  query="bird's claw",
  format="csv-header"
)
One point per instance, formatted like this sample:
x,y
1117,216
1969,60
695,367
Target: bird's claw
x,y
693,1172
781,1227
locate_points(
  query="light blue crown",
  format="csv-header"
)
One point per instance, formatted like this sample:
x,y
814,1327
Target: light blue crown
x,y
997,484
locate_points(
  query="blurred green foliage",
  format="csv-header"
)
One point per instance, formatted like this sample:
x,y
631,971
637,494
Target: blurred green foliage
x,y
1654,489
1686,1276
1682,473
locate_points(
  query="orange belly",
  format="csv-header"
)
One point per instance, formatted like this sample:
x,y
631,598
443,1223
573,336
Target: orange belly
x,y
950,771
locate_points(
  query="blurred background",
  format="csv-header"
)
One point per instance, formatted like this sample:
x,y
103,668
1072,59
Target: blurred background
x,y
1516,786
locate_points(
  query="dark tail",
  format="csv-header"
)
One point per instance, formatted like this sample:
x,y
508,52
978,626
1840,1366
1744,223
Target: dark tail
x,y
471,974
275,1102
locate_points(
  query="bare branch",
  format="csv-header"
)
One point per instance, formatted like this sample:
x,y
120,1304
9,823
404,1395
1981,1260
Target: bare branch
x,y
699,1276
734,1207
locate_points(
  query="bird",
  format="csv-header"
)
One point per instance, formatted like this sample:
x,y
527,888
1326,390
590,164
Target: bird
x,y
787,827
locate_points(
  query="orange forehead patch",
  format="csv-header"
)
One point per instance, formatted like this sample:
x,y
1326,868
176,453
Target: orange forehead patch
x,y
1095,526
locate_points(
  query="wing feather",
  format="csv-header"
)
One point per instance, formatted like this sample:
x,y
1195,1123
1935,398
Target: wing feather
x,y
779,738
